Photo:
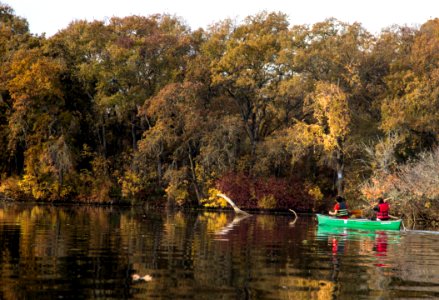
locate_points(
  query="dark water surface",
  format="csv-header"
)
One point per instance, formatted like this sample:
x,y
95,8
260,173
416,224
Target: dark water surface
x,y
85,252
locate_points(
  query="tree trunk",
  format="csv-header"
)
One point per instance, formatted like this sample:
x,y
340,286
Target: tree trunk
x,y
133,132
104,140
339,181
60,182
194,177
159,171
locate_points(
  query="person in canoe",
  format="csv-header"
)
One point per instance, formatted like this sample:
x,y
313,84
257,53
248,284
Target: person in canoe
x,y
382,210
340,208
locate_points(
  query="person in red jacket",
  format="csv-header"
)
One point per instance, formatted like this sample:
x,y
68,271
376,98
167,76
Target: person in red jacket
x,y
340,208
382,210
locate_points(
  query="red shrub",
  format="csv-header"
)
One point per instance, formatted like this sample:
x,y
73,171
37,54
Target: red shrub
x,y
246,191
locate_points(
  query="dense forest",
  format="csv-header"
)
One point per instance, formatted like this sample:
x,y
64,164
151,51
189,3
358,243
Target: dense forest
x,y
145,110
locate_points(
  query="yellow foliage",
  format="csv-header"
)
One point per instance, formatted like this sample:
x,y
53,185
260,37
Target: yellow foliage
x,y
177,192
301,137
30,186
331,109
267,202
213,200
94,187
10,187
131,184
315,192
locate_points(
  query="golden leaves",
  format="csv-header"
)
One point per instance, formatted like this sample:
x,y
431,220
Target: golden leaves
x,y
331,110
213,200
34,75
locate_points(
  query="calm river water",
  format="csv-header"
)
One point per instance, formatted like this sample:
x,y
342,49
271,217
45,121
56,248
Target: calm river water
x,y
85,252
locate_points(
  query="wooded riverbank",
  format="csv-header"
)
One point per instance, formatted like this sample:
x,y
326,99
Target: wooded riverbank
x,y
144,109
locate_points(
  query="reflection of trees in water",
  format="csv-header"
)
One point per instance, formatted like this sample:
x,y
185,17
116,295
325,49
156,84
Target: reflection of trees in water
x,y
423,267
382,264
63,250
254,248
95,250
238,265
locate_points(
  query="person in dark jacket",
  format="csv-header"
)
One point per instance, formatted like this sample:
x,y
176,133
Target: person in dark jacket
x,y
382,210
340,208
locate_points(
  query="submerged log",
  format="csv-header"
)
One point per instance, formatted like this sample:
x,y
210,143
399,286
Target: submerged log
x,y
296,217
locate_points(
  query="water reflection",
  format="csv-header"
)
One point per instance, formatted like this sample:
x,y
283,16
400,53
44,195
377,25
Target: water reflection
x,y
354,250
225,229
367,243
82,252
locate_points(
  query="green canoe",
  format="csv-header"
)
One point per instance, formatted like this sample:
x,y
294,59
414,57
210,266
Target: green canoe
x,y
358,223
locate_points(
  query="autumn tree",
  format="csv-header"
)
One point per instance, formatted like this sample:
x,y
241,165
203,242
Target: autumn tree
x,y
325,136
409,119
14,35
249,72
114,68
222,148
411,100
143,55
40,123
134,106
173,141
321,94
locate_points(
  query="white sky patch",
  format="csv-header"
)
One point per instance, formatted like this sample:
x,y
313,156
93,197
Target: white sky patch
x,y
49,16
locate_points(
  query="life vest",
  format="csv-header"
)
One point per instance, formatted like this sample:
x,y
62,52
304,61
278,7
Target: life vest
x,y
342,210
383,213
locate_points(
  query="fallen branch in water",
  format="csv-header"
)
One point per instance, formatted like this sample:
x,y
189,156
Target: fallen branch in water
x,y
295,219
235,208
